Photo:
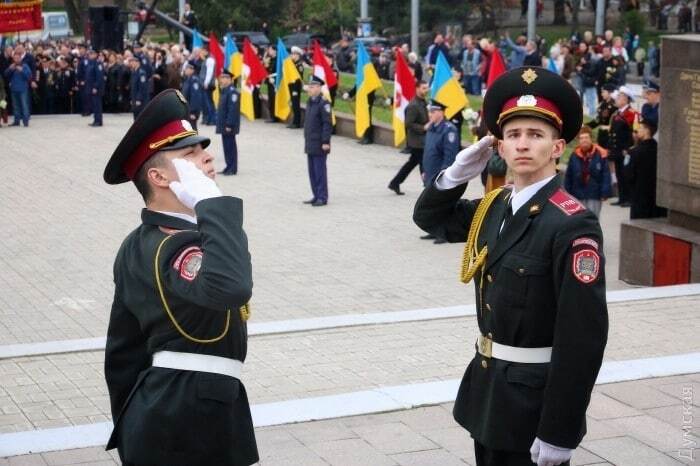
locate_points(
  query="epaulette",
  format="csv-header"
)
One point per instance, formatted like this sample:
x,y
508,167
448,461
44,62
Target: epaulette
x,y
566,202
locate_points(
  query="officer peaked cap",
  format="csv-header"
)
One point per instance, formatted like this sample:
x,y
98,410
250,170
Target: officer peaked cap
x,y
162,125
533,92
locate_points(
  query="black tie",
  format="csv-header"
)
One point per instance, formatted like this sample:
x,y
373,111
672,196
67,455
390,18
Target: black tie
x,y
507,217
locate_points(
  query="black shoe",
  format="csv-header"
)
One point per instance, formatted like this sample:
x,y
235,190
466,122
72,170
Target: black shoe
x,y
428,236
310,201
364,142
319,203
16,123
293,126
93,124
616,203
625,204
396,190
405,150
440,241
272,120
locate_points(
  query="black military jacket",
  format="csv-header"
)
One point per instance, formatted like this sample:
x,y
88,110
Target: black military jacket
x,y
542,285
605,111
166,416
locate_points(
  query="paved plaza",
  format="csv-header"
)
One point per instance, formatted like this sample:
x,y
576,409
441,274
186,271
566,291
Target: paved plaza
x,y
360,255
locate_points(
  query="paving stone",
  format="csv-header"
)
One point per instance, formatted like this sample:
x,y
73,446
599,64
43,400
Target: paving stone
x,y
602,406
627,451
394,437
638,396
350,452
83,455
582,457
427,458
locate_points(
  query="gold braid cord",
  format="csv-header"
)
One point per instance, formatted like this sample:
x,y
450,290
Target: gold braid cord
x,y
244,310
473,258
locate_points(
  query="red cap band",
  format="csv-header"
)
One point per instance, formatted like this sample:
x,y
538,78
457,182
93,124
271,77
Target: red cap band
x,y
166,134
531,103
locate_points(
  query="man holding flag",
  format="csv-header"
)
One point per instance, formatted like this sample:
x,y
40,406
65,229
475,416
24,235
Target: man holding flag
x,y
366,82
286,73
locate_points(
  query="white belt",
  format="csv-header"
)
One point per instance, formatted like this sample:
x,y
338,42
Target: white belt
x,y
198,362
490,349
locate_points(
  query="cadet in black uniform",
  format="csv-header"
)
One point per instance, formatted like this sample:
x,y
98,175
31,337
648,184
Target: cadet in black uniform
x,y
228,121
95,85
177,334
270,64
606,108
318,127
536,256
296,87
64,85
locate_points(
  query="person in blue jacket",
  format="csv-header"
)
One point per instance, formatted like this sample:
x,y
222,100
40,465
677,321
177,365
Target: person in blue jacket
x,y
194,94
18,76
95,85
228,121
587,174
83,93
318,127
139,87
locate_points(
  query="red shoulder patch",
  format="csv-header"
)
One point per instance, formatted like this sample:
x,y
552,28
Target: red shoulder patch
x,y
189,262
566,202
586,265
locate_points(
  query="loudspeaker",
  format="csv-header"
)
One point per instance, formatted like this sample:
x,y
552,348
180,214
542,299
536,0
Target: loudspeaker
x,y
106,31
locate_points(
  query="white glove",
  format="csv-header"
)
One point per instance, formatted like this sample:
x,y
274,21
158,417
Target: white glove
x,y
193,185
544,454
470,162
346,96
626,160
613,178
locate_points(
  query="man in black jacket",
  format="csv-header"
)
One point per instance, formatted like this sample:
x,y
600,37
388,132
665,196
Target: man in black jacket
x,y
177,335
416,123
536,256
642,174
318,127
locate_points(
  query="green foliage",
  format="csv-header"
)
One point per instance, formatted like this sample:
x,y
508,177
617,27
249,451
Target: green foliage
x,y
634,20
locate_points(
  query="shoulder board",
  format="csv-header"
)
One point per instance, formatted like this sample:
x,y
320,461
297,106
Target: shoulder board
x,y
566,202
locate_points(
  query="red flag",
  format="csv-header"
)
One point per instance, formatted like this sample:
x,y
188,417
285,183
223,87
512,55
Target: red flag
x,y
216,53
321,67
496,68
256,70
405,78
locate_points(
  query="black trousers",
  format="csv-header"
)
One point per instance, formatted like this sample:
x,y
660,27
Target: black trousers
x,y
623,188
295,92
488,457
271,101
415,160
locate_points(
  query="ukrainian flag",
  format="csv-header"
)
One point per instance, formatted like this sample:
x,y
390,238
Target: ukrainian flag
x,y
366,81
197,42
286,74
233,60
445,88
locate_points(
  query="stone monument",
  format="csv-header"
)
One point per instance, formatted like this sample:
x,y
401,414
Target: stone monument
x,y
667,251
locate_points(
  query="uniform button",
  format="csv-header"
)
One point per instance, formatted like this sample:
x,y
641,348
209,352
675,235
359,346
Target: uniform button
x,y
521,270
484,364
488,307
489,277
491,335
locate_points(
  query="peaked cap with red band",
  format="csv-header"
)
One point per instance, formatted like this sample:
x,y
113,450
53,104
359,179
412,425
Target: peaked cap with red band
x,y
162,125
533,92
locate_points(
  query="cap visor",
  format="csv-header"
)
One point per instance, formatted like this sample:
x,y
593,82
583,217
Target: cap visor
x,y
188,141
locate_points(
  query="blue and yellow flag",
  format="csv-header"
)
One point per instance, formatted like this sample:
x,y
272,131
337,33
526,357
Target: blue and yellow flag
x,y
366,81
233,59
446,89
286,74
197,42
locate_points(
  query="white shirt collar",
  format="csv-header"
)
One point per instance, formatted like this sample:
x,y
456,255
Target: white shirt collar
x,y
520,198
182,216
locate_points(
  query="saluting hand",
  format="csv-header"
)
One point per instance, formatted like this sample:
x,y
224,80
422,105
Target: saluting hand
x,y
193,185
470,162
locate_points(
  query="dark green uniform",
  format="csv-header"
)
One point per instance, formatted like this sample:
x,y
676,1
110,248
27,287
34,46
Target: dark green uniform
x,y
542,285
205,270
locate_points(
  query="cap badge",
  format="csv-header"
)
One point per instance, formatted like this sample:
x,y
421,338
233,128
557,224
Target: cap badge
x,y
529,76
527,101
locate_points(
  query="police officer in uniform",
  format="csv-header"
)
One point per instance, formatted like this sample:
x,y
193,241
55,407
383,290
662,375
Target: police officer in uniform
x,y
138,87
228,121
95,85
177,334
80,77
536,257
650,109
296,87
194,93
318,127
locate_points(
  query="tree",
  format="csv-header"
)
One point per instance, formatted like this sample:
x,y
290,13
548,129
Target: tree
x,y
77,14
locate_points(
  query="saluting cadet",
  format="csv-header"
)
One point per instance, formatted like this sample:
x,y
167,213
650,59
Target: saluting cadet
x,y
138,87
95,85
536,257
317,141
194,94
177,334
228,121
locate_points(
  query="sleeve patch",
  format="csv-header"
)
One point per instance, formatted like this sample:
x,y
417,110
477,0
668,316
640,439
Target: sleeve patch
x,y
451,136
566,202
586,266
327,108
585,242
188,263
234,97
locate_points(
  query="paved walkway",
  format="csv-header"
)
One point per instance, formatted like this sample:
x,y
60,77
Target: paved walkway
x,y
361,253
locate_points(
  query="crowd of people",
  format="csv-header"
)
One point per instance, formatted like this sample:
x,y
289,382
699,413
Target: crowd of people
x,y
65,76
